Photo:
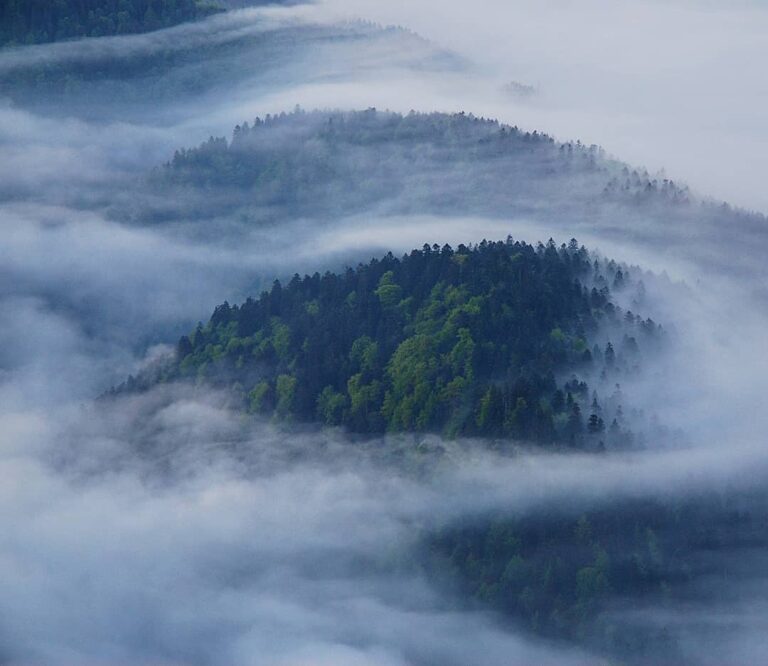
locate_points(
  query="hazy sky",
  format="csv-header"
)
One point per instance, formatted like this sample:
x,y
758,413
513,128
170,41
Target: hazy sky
x,y
679,85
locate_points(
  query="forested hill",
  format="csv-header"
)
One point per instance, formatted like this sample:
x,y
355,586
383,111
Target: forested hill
x,y
496,340
419,161
39,21
326,165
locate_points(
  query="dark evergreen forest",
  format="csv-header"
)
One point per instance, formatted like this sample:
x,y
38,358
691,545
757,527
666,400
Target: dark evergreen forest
x,y
38,21
568,574
494,340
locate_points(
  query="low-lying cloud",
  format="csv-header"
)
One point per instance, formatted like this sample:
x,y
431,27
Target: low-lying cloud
x,y
166,528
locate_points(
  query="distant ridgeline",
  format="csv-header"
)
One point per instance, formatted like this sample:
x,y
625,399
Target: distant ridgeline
x,y
418,162
115,83
326,165
495,340
38,21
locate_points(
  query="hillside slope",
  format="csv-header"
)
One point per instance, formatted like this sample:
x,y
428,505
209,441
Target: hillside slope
x,y
496,340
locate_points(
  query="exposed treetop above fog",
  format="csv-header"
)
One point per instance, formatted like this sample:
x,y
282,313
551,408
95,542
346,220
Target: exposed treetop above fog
x,y
493,340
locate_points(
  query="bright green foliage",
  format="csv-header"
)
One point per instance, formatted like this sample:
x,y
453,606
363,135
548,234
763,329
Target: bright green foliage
x,y
330,406
37,21
364,354
281,339
258,396
285,387
464,342
388,292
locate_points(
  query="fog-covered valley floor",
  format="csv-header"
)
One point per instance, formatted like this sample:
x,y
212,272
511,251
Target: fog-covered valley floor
x,y
168,526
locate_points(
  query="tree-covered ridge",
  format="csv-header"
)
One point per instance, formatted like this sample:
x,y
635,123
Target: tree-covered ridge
x,y
562,573
328,163
283,157
494,340
288,158
319,135
39,21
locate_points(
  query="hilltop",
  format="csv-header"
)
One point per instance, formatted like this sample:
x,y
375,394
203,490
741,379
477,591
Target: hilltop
x,y
496,340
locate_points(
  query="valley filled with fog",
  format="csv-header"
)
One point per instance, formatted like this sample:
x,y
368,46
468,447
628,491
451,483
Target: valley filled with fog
x,y
181,517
